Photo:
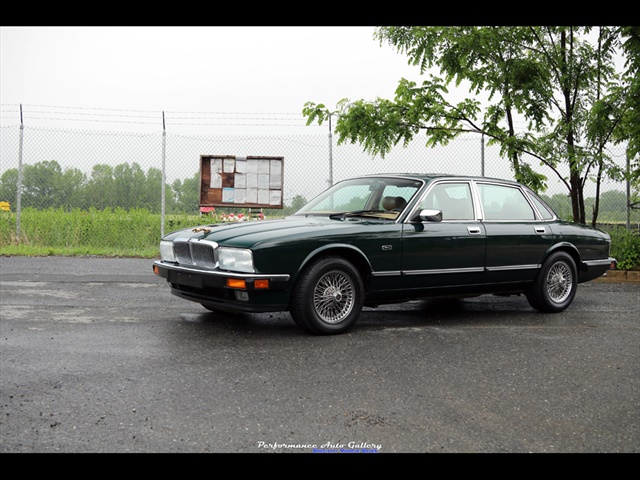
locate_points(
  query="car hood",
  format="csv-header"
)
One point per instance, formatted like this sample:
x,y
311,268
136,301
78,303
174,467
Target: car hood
x,y
251,233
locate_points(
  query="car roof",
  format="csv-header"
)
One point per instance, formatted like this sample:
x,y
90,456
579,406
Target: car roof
x,y
432,176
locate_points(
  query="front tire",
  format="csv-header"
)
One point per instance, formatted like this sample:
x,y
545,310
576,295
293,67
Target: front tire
x,y
328,297
556,284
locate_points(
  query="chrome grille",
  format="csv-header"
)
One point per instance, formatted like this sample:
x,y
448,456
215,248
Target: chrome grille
x,y
182,251
201,253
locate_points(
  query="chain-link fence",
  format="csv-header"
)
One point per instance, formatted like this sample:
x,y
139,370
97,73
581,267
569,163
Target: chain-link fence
x,y
81,169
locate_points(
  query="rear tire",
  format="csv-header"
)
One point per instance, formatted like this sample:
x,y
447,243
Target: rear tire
x,y
556,284
328,297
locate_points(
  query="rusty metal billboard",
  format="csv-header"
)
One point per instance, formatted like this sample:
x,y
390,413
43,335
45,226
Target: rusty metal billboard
x,y
235,181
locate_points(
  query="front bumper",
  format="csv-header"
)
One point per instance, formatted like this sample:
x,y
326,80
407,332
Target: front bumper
x,y
211,287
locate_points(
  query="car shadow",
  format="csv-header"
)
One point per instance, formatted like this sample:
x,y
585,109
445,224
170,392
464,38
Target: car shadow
x,y
216,323
487,310
476,311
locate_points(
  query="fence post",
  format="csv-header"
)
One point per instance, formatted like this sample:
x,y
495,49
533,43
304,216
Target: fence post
x,y
628,175
330,154
482,155
164,175
19,192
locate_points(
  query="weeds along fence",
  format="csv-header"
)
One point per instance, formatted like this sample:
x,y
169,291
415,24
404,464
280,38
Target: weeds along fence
x,y
158,169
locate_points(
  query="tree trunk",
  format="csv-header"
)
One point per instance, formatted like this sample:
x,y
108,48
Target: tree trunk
x,y
574,180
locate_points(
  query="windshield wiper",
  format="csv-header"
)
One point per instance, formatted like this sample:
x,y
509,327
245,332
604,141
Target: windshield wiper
x,y
356,213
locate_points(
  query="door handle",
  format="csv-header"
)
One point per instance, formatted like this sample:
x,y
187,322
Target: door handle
x,y
473,230
540,230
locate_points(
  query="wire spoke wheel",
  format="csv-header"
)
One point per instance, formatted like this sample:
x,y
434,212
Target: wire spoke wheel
x,y
559,282
555,286
328,296
333,296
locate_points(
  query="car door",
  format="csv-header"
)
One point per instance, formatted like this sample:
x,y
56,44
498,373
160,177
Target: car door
x,y
448,253
517,240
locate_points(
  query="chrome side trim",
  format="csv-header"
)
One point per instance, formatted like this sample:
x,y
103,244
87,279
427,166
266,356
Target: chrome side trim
x,y
436,271
390,273
513,267
444,270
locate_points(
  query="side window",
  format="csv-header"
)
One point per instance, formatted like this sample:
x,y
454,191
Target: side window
x,y
454,199
545,211
504,203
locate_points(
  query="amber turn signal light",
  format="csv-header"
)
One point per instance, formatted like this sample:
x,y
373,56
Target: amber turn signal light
x,y
236,283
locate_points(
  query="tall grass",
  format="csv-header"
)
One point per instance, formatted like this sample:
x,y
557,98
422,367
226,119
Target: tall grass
x,y
136,233
625,247
109,232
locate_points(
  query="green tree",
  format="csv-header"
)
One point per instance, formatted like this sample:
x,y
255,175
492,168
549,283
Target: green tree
x,y
129,185
9,187
152,193
45,184
550,77
616,116
628,96
99,191
71,188
186,194
298,202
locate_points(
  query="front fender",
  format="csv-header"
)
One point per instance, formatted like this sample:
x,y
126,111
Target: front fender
x,y
337,248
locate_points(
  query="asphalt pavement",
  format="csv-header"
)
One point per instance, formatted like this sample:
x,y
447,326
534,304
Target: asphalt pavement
x,y
97,356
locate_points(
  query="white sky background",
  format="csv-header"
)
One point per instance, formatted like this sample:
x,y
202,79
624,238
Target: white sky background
x,y
196,69
235,72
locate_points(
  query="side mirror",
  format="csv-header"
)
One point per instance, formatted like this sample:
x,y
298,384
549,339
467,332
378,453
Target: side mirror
x,y
428,215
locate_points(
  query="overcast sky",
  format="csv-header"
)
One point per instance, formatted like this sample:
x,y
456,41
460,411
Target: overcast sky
x,y
194,69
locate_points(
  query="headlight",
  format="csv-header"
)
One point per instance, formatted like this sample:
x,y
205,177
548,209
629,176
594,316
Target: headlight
x,y
235,259
166,251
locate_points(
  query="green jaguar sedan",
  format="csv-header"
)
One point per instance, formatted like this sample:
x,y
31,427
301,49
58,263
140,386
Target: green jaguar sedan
x,y
389,238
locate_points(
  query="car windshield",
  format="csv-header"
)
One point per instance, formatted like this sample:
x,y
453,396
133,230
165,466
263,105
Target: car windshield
x,y
381,197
